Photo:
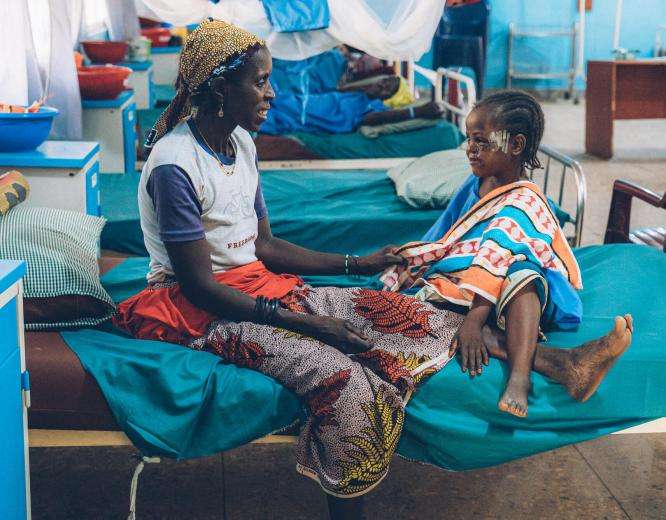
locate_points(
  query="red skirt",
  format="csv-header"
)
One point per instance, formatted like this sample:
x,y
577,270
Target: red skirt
x,y
161,311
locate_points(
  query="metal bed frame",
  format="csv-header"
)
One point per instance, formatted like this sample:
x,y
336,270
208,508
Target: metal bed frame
x,y
568,168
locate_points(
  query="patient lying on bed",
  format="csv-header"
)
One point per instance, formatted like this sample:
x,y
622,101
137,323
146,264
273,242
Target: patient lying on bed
x,y
317,104
499,254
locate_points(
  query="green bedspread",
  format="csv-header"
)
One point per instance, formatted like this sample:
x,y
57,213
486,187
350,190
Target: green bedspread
x,y
349,211
181,403
355,145
415,143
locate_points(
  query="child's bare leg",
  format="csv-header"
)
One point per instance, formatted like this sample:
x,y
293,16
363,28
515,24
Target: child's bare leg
x,y
580,370
522,329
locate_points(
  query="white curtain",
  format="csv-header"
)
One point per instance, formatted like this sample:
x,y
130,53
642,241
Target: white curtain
x,y
55,28
386,29
122,20
20,82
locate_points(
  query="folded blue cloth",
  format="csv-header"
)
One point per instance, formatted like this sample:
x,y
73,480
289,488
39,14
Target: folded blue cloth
x,y
297,15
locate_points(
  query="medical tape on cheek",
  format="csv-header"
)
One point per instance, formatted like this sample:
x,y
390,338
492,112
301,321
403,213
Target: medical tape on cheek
x,y
501,139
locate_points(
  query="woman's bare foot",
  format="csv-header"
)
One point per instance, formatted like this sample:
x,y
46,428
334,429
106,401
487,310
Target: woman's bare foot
x,y
514,399
590,362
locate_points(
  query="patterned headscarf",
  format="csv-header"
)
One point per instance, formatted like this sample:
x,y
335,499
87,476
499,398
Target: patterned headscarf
x,y
204,57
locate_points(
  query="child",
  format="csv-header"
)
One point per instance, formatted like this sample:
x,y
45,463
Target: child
x,y
499,250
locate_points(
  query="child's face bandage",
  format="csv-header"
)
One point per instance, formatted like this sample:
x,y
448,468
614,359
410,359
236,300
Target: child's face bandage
x,y
498,140
501,140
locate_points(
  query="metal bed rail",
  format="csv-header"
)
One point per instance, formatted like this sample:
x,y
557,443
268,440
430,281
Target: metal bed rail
x,y
568,168
467,94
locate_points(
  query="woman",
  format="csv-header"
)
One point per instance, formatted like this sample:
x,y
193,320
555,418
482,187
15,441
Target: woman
x,y
218,279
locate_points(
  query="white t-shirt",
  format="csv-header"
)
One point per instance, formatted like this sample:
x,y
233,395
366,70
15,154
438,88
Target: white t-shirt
x,y
226,202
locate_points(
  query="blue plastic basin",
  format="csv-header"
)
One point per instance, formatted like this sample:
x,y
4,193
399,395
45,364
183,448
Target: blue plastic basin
x,y
23,132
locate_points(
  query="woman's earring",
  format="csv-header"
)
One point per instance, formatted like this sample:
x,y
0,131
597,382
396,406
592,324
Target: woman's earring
x,y
194,111
220,112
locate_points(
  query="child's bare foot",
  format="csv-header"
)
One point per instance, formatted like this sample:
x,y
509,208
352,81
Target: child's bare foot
x,y
514,400
590,362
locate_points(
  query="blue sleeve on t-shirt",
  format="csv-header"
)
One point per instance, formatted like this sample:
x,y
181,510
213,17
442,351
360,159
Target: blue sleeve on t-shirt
x,y
259,203
177,206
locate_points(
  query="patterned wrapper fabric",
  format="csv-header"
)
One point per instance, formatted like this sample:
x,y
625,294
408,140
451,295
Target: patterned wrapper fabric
x,y
512,223
355,403
14,189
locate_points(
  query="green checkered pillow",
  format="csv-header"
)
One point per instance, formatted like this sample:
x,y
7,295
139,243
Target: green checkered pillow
x,y
60,248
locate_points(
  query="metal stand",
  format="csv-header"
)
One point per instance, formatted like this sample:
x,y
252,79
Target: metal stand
x,y
659,43
570,74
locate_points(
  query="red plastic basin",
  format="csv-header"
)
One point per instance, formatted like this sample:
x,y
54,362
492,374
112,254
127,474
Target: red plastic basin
x,y
148,22
159,36
105,52
102,81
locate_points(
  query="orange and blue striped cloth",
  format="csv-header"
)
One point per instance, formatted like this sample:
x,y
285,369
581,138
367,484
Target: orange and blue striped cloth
x,y
511,224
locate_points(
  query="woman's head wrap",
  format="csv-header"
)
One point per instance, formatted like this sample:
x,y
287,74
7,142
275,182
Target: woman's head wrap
x,y
205,56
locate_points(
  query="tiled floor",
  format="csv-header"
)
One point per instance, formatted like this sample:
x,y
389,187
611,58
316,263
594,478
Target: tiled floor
x,y
614,477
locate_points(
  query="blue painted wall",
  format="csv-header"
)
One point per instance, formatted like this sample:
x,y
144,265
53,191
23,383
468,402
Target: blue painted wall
x,y
640,19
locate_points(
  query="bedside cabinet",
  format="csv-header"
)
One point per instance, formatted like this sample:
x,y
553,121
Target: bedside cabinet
x,y
61,174
14,396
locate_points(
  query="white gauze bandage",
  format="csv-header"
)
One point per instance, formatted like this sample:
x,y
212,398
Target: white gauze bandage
x,y
501,139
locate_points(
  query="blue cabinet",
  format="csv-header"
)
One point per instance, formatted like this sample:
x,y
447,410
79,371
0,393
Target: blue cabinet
x,y
14,397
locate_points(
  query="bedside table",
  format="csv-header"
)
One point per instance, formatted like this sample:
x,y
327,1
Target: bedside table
x,y
14,396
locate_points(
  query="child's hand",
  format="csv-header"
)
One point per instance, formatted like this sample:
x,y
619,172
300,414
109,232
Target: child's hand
x,y
469,342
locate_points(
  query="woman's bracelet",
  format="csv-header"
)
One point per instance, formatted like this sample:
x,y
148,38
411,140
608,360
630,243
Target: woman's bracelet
x,y
355,270
265,310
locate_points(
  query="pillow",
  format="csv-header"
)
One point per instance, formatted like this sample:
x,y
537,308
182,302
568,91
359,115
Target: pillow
x,y
14,189
431,181
61,286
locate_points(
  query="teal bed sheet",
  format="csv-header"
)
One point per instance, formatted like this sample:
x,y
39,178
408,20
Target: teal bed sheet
x,y
415,143
179,403
337,211
354,145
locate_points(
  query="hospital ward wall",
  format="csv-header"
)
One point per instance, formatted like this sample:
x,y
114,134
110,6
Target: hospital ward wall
x,y
640,19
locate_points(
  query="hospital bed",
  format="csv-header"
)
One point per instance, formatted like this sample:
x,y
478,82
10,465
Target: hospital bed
x,y
451,421
456,91
69,409
351,200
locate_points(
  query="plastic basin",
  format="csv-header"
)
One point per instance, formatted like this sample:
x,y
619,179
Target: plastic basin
x,y
25,132
105,52
148,22
159,36
102,82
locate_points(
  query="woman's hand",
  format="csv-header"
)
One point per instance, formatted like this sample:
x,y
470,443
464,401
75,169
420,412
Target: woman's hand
x,y
338,333
469,342
377,262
